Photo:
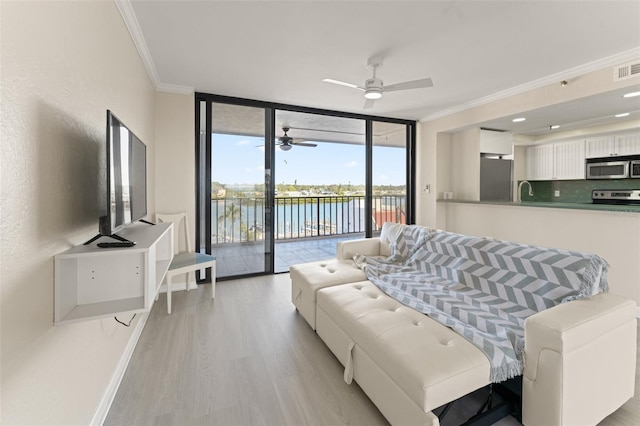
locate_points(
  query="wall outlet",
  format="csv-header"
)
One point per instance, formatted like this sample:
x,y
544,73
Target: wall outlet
x,y
556,193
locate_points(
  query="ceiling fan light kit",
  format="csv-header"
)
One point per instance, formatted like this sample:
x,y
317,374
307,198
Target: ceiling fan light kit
x,y
286,142
373,93
374,88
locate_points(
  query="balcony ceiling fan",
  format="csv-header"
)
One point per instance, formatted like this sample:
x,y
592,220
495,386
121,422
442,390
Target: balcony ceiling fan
x,y
286,142
374,88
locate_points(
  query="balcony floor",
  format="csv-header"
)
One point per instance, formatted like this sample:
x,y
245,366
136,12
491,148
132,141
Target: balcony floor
x,y
248,258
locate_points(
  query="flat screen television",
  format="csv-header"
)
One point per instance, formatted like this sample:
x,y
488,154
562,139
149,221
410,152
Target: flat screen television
x,y
126,185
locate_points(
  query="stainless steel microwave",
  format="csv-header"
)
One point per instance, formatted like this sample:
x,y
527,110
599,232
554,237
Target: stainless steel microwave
x,y
634,169
608,170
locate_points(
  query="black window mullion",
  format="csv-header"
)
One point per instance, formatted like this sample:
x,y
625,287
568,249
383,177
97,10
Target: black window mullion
x,y
368,198
270,189
411,175
203,197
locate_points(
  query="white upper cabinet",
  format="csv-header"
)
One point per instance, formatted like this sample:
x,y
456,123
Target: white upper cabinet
x,y
611,146
628,144
603,146
568,160
493,142
562,160
540,162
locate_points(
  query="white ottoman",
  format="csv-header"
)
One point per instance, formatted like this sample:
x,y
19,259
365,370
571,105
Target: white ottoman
x,y
308,278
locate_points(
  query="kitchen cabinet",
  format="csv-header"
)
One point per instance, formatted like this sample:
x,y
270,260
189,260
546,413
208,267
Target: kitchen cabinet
x,y
540,162
561,160
628,144
568,160
602,146
612,146
493,142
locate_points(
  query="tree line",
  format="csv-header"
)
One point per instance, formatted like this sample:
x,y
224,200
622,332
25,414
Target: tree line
x,y
220,190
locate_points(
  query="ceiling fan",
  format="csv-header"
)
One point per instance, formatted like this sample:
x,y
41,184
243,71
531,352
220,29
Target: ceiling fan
x,y
286,142
374,88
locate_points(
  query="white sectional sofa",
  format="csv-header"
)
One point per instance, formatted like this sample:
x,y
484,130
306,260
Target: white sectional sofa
x,y
580,356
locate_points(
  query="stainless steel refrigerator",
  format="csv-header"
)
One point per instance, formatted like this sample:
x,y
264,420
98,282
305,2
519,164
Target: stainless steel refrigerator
x,y
496,179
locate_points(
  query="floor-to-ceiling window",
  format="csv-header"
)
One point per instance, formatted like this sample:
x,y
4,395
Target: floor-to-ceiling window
x,y
320,182
235,178
279,184
389,174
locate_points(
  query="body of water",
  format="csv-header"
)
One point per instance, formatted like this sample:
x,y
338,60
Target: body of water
x,y
239,220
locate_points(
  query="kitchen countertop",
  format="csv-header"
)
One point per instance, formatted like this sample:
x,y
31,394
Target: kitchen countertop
x,y
557,205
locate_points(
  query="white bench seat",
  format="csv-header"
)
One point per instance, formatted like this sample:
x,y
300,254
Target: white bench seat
x,y
403,343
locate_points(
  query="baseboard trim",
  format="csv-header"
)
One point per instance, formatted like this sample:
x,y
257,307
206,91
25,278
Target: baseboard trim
x,y
110,393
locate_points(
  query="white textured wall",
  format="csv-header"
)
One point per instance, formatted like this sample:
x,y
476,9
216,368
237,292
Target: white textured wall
x,y
464,170
175,164
63,65
175,156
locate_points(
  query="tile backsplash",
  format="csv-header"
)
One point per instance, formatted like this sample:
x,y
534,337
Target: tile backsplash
x,y
573,191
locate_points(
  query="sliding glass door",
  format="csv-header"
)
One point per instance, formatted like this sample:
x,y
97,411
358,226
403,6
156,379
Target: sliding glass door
x,y
389,174
279,185
320,186
237,200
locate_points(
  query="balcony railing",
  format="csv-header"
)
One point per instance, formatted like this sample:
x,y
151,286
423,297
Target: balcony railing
x,y
241,220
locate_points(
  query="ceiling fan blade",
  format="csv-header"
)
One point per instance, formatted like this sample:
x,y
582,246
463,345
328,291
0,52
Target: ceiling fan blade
x,y
415,84
368,104
342,83
305,144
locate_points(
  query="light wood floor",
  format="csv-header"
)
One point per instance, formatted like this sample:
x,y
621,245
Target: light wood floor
x,y
248,358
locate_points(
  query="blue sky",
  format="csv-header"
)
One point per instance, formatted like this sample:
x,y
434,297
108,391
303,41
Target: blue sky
x,y
240,160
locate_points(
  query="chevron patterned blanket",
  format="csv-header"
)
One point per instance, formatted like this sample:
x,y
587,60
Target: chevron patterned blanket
x,y
485,289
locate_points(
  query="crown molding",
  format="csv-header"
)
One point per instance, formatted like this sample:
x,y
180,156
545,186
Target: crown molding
x,y
131,21
599,64
175,88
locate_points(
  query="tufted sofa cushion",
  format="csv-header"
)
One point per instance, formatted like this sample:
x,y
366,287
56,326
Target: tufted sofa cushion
x,y
406,345
308,278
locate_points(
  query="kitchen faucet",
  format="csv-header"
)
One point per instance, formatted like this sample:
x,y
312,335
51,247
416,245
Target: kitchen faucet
x,y
519,194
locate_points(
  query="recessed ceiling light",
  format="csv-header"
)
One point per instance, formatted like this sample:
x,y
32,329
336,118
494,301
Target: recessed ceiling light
x,y
555,126
631,95
518,120
624,114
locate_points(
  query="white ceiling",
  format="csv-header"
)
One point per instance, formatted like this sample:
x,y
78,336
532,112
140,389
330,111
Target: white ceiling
x,y
280,51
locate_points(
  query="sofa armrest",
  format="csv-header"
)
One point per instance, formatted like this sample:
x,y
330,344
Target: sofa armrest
x,y
367,246
580,360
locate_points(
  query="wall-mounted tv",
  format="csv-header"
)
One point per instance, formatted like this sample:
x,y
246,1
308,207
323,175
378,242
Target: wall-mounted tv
x,y
126,185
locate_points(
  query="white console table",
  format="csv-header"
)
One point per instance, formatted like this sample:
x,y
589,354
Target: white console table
x,y
93,282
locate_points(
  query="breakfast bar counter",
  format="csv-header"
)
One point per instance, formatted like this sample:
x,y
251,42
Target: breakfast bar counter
x,y
555,205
